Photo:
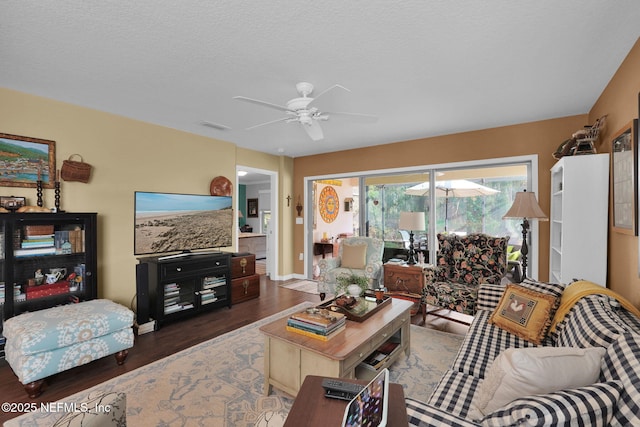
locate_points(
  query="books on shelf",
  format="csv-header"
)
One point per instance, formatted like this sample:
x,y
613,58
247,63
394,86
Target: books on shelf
x,y
44,242
208,296
69,241
377,359
177,307
38,240
213,282
27,252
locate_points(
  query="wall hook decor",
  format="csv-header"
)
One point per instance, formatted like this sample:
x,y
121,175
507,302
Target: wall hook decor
x,y
288,200
299,207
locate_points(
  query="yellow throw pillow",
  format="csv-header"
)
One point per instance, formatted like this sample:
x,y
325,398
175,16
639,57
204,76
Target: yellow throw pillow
x,y
354,256
525,313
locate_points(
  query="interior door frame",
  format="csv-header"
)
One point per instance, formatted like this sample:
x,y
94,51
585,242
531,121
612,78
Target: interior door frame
x,y
273,242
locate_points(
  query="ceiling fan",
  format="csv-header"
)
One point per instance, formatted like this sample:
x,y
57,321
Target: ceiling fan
x,y
304,111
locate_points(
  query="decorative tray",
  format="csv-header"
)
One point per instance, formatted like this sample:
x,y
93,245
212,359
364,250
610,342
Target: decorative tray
x,y
361,310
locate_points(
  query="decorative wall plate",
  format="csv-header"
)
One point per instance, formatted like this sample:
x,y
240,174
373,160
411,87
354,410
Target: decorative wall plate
x,y
329,204
220,186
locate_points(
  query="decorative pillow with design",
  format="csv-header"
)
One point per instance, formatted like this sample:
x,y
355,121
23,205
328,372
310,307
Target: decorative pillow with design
x,y
525,313
519,372
354,256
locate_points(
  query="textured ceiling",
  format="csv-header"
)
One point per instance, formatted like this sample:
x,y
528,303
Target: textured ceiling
x,y
424,67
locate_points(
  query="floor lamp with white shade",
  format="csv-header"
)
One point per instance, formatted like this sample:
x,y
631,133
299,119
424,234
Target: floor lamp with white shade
x,y
525,206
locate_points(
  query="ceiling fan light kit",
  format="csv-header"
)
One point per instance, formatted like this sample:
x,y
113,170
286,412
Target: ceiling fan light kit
x,y
304,111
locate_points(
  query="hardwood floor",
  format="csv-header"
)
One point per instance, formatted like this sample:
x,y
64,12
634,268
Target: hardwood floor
x,y
170,339
147,348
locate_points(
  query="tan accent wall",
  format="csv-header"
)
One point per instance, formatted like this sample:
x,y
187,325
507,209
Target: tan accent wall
x,y
127,155
619,101
541,138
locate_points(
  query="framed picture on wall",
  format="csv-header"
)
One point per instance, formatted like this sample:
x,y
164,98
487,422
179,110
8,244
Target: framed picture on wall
x,y
624,178
25,160
252,208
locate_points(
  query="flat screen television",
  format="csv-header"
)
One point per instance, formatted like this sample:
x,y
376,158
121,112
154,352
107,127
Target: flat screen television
x,y
166,222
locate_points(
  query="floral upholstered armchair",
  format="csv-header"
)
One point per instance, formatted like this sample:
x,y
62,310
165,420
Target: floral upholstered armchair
x,y
462,264
357,255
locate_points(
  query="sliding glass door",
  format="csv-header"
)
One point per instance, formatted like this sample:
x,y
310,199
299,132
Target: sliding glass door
x,y
468,198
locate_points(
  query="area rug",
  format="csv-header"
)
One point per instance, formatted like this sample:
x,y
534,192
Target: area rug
x,y
220,382
308,286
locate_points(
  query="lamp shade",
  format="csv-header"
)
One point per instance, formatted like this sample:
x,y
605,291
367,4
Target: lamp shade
x,y
525,205
412,221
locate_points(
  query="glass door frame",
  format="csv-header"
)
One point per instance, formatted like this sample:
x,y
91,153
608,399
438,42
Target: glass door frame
x,y
532,185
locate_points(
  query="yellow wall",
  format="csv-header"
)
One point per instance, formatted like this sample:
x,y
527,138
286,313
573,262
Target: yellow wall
x,y
619,101
127,155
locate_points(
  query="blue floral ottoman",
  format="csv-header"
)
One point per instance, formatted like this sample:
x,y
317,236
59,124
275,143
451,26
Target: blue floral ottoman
x,y
46,342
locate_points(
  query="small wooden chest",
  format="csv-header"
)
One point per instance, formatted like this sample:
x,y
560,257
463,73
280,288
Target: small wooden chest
x,y
245,288
243,265
245,283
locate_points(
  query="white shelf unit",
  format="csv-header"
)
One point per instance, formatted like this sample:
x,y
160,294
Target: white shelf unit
x,y
579,219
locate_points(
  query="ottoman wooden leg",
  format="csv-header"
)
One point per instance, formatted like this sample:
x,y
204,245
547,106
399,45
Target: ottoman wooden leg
x,y
120,356
34,389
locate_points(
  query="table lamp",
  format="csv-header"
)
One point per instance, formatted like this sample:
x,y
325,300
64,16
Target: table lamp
x,y
525,206
411,221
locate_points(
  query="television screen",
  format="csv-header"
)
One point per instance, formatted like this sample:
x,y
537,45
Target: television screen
x,y
181,222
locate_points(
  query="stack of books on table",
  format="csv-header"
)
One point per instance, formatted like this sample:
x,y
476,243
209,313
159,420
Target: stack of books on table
x,y
316,323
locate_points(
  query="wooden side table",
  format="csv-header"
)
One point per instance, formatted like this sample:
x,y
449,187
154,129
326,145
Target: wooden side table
x,y
406,282
322,248
311,408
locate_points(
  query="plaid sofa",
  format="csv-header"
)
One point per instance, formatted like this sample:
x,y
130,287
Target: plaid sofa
x,y
595,320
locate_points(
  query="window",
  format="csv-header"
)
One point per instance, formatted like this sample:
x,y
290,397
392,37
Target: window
x,y
470,197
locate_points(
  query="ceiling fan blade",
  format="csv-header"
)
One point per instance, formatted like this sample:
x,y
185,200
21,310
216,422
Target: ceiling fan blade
x,y
213,125
268,123
263,103
315,98
364,118
314,130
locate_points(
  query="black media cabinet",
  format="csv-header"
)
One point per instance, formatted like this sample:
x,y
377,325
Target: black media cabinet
x,y
174,287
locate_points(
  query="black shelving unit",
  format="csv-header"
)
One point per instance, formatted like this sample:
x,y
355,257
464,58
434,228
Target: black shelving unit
x,y
40,242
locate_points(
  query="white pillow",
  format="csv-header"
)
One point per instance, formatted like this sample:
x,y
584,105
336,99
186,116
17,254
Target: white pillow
x,y
519,372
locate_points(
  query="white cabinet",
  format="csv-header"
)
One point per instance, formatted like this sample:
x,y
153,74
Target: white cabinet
x,y
579,219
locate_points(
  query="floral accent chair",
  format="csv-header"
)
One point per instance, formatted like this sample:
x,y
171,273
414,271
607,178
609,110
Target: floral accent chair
x,y
356,255
463,263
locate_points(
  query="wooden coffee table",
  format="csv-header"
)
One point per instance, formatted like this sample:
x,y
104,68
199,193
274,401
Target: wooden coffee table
x,y
311,408
289,357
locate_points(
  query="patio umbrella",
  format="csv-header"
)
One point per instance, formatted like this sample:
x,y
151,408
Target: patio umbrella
x,y
452,188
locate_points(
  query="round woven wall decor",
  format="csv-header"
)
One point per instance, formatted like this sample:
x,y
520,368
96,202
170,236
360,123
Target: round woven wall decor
x,y
329,204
